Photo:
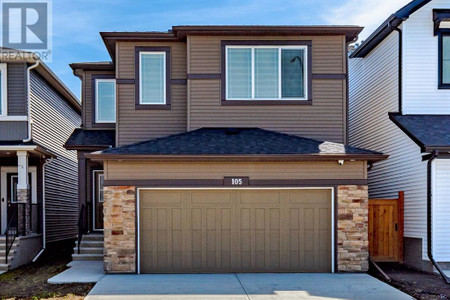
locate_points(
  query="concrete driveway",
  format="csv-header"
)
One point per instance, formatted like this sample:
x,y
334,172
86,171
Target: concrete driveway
x,y
243,286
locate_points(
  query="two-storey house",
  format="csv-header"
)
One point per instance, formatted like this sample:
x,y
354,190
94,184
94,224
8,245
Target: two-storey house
x,y
400,105
38,177
222,149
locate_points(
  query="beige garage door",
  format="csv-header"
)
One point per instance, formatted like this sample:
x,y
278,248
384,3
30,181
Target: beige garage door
x,y
235,231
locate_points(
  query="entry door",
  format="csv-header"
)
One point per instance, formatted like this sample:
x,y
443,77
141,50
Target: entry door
x,y
204,231
9,180
98,200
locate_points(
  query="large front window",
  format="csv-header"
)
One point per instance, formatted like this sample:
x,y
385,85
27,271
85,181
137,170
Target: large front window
x,y
266,73
105,101
152,77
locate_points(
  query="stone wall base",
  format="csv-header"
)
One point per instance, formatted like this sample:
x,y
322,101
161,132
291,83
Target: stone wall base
x,y
352,228
119,209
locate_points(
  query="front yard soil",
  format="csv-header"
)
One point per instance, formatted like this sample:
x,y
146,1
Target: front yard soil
x,y
30,281
420,285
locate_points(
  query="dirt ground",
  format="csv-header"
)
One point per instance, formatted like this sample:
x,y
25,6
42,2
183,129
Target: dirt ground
x,y
420,285
30,281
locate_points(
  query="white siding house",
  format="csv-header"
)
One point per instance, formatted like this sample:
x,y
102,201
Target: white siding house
x,y
374,93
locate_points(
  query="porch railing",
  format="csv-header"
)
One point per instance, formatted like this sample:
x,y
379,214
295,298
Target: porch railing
x,y
16,226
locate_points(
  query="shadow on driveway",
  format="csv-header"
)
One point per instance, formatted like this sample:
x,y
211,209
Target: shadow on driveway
x,y
244,286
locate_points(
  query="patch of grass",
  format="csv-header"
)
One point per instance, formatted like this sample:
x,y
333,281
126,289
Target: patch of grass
x,y
30,281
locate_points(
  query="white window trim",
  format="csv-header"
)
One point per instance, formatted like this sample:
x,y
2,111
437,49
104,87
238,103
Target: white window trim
x,y
4,86
305,77
164,76
97,81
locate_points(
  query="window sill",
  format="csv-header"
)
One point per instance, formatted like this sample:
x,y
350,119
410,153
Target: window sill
x,y
444,87
152,106
103,125
264,102
13,118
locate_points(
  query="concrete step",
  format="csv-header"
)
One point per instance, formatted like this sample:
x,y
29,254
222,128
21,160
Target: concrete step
x,y
84,257
3,260
4,267
89,250
90,244
92,237
3,246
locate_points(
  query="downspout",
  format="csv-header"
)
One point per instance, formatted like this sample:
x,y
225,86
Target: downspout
x,y
29,100
400,65
44,244
434,154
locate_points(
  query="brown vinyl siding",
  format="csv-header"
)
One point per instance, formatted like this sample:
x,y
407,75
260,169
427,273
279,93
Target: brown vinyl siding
x,y
141,170
323,120
53,122
17,89
88,97
137,125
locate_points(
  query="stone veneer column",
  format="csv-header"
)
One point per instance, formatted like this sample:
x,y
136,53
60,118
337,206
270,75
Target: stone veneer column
x,y
352,226
23,211
119,208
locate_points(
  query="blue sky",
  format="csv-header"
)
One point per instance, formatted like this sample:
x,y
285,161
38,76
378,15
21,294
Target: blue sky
x,y
77,23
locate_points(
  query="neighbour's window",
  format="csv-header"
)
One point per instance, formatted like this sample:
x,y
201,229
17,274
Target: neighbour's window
x,y
152,77
3,89
445,61
266,73
105,101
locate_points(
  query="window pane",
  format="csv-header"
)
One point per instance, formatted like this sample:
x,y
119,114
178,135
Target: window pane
x,y
446,59
152,78
266,73
239,73
292,73
106,102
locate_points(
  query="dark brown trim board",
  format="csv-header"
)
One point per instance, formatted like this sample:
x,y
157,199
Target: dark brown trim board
x,y
329,76
93,100
222,183
225,43
204,76
125,81
264,102
167,105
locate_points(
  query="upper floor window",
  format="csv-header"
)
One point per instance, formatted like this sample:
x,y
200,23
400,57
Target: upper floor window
x,y
266,73
3,90
152,77
444,59
105,101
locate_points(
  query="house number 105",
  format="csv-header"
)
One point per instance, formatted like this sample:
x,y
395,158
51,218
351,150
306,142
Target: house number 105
x,y
236,181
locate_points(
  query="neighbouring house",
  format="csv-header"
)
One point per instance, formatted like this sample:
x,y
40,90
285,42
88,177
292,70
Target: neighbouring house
x,y
38,177
400,105
221,149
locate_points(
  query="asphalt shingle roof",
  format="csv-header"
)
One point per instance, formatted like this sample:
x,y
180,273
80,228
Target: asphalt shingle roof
x,y
234,141
426,130
94,138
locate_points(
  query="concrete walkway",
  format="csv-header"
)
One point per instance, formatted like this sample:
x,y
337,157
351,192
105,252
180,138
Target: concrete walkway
x,y
80,272
243,286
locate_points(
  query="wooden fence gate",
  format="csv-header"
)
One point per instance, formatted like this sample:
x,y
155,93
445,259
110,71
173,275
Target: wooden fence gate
x,y
386,229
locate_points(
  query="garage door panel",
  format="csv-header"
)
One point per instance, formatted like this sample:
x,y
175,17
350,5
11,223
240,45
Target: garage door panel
x,y
287,231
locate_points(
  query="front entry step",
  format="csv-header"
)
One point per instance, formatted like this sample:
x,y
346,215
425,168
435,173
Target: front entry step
x,y
6,265
91,248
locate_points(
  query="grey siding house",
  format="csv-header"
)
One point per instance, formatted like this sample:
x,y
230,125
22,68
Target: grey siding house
x,y
38,177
